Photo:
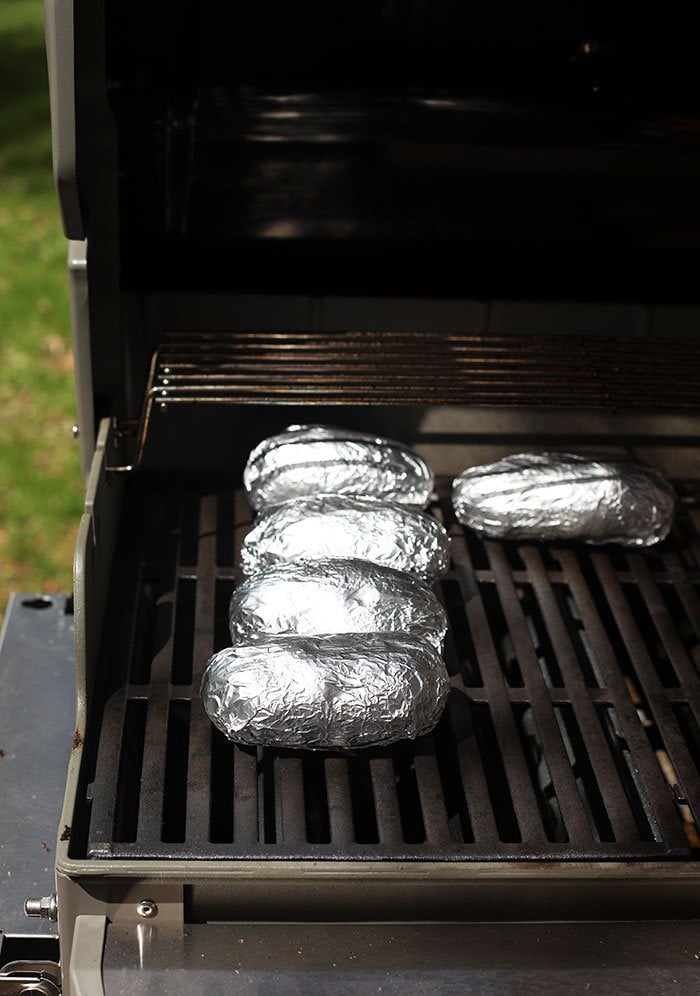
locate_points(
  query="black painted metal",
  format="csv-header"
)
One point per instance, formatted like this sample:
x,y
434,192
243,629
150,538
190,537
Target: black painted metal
x,y
571,733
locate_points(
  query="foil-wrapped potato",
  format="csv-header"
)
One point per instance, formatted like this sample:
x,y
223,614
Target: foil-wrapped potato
x,y
326,692
332,527
565,496
318,459
335,596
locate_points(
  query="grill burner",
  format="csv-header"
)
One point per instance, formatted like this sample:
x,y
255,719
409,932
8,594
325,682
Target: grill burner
x,y
571,733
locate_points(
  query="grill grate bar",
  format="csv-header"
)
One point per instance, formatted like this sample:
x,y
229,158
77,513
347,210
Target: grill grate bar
x,y
245,797
560,767
664,811
456,850
474,805
622,821
162,550
199,761
687,675
541,754
686,592
652,689
434,813
290,818
385,801
339,801
521,790
153,770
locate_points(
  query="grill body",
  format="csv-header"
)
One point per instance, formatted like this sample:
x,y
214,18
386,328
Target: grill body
x,y
472,233
561,783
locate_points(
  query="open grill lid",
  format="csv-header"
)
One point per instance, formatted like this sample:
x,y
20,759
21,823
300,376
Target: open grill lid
x,y
492,151
379,151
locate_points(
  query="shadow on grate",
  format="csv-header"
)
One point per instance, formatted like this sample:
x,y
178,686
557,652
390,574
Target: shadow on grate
x,y
572,731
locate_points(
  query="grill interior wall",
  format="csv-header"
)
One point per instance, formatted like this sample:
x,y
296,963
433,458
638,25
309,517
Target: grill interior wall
x,y
571,733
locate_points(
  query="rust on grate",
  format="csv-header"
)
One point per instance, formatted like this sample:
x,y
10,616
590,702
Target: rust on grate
x,y
418,368
572,731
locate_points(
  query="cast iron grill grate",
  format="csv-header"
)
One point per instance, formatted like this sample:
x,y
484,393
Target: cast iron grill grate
x,y
572,731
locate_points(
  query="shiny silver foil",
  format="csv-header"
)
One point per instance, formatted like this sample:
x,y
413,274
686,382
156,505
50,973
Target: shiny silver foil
x,y
326,692
564,496
319,459
332,527
335,596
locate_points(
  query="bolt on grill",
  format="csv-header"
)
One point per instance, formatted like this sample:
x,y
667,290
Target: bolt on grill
x,y
572,731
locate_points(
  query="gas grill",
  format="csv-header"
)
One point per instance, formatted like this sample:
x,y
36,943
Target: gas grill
x,y
477,235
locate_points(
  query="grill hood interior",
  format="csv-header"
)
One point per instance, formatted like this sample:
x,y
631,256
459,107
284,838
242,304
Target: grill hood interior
x,y
450,149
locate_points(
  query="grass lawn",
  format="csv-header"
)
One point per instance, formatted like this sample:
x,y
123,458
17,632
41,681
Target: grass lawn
x,y
40,489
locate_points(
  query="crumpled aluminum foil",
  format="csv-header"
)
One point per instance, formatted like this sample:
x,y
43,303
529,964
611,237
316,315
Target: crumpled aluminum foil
x,y
332,527
319,459
335,596
565,496
326,692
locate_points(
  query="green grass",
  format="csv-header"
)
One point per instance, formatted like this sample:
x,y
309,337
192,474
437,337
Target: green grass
x,y
39,467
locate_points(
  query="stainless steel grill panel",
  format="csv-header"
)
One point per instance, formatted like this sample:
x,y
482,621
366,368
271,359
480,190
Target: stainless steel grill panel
x,y
575,682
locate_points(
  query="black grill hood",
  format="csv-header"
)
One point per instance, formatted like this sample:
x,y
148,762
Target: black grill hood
x,y
451,149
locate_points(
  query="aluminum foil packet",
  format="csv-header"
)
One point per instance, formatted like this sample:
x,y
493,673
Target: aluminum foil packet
x,y
319,459
565,496
335,596
326,692
333,527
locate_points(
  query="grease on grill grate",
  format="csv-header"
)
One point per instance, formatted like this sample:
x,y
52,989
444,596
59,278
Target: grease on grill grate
x,y
572,732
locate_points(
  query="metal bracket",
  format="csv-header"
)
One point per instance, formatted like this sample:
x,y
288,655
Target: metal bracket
x,y
19,977
86,956
118,433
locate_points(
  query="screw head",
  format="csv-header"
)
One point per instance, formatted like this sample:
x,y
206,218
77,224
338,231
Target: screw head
x,y
147,909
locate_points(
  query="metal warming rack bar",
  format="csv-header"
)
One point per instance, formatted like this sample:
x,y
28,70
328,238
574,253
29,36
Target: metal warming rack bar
x,y
366,368
572,731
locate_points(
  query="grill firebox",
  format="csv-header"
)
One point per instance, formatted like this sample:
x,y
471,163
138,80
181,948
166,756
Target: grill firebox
x,y
571,732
